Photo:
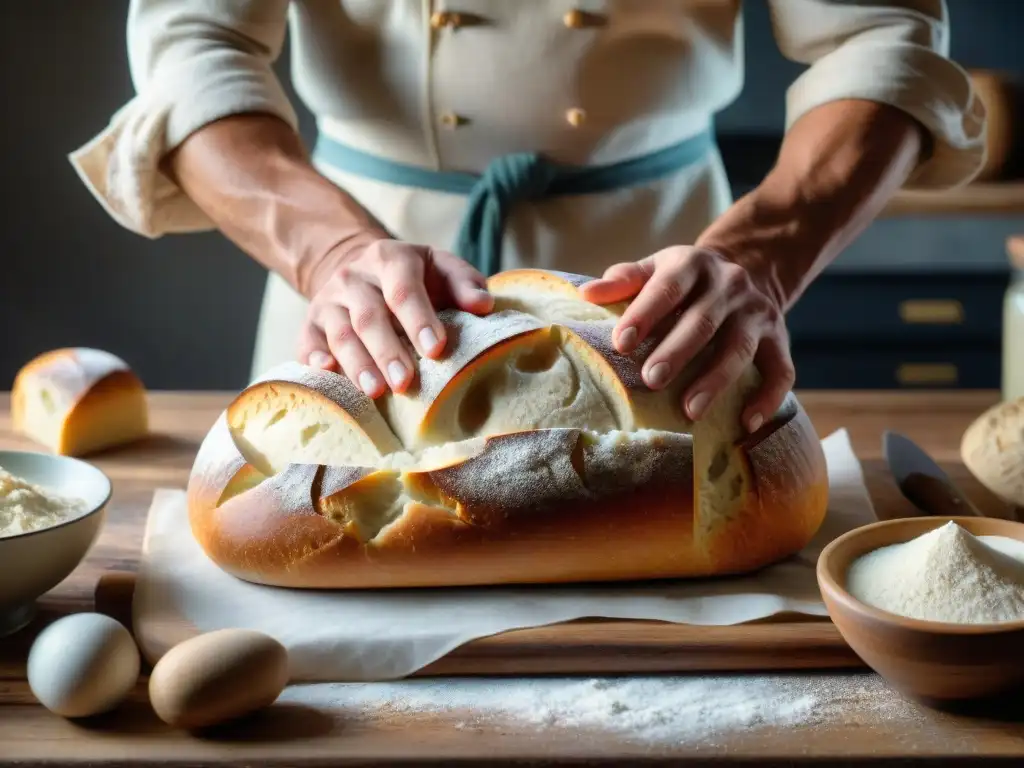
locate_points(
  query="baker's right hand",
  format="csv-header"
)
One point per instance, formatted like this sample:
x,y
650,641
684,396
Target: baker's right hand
x,y
371,296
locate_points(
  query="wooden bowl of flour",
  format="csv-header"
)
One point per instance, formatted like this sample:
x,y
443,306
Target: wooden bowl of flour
x,y
939,663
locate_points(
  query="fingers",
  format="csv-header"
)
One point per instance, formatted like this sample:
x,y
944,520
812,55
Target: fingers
x,y
371,321
735,352
778,374
661,295
619,282
348,350
405,293
313,349
692,333
366,308
464,285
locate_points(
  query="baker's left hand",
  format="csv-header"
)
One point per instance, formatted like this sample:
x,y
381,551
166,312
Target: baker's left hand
x,y
719,299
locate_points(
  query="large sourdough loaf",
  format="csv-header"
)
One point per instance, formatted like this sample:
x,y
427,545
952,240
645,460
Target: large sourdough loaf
x,y
77,401
532,453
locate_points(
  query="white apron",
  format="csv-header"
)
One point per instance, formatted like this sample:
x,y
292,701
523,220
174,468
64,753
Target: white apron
x,y
449,85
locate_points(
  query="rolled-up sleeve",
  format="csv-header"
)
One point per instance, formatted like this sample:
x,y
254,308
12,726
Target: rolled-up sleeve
x,y
192,62
895,53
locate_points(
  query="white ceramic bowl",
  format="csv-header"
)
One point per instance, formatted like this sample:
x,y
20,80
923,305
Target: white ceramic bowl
x,y
33,563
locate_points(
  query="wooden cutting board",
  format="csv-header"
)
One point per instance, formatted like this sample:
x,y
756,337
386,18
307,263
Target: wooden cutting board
x,y
580,647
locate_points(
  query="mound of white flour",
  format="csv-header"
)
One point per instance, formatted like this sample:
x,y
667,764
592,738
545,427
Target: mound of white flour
x,y
946,575
26,507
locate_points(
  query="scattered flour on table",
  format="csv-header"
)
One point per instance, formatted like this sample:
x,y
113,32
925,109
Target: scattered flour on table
x,y
650,709
947,575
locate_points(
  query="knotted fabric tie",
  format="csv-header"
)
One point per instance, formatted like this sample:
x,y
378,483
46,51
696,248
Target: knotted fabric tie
x,y
507,180
510,179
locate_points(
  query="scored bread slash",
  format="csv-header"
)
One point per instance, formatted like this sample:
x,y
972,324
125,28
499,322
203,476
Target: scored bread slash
x,y
294,413
218,462
279,513
471,343
532,452
513,474
555,467
362,500
620,377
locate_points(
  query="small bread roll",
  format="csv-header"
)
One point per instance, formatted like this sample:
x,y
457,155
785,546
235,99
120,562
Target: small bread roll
x,y
77,401
992,449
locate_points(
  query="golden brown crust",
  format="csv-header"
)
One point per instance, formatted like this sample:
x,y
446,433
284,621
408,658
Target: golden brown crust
x,y
645,538
272,527
533,506
553,280
217,462
273,533
71,370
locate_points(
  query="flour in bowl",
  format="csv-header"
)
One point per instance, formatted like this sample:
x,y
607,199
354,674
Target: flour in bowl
x,y
25,507
946,575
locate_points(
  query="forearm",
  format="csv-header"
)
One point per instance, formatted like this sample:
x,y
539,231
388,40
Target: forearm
x,y
251,175
837,168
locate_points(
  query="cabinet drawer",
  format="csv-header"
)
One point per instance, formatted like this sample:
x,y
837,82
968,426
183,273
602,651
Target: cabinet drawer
x,y
900,309
863,367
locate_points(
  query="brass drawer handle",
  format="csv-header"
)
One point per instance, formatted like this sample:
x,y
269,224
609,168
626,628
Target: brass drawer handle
x,y
932,312
927,373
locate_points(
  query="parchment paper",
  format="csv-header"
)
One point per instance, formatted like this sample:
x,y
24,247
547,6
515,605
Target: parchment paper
x,y
343,636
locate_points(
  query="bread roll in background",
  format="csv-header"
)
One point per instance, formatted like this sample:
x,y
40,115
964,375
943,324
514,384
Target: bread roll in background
x,y
992,449
532,453
77,401
1002,94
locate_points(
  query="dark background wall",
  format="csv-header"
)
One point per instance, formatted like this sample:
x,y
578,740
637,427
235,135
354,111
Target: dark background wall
x,y
73,277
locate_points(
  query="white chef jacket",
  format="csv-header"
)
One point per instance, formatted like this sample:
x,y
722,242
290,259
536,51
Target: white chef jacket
x,y
452,84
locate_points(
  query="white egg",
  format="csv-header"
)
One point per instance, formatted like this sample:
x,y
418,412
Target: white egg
x,y
83,664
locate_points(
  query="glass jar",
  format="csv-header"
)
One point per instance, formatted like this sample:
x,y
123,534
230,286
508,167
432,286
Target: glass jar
x,y
1013,324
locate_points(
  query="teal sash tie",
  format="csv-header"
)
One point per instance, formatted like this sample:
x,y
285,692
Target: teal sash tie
x,y
510,179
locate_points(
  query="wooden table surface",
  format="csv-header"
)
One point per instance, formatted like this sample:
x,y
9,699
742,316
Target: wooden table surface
x,y
867,722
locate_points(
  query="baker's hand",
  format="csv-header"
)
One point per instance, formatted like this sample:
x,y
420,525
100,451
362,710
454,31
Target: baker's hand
x,y
717,297
371,296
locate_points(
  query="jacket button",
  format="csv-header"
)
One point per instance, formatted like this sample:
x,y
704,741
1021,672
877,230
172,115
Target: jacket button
x,y
575,117
577,19
451,120
440,19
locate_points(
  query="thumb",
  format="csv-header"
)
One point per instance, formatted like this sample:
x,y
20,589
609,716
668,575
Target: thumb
x,y
465,286
620,282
